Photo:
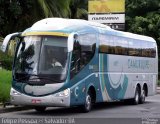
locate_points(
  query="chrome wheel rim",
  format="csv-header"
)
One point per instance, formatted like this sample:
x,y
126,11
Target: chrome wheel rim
x,y
88,102
143,95
137,97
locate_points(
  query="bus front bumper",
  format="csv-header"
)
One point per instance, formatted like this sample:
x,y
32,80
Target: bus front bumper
x,y
61,99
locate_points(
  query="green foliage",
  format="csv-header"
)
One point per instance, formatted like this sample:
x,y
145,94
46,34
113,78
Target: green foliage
x,y
148,25
79,9
15,15
141,7
54,8
6,61
5,85
143,17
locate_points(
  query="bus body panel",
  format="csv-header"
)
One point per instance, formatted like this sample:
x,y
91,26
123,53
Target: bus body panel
x,y
48,100
114,77
121,78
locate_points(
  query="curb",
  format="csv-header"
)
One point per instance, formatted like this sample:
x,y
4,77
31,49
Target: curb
x,y
13,109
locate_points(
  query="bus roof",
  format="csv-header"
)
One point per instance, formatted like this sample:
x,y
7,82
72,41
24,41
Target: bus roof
x,y
62,23
131,35
68,26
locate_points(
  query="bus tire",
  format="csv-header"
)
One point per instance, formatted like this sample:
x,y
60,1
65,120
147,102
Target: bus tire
x,y
136,98
143,96
88,103
40,108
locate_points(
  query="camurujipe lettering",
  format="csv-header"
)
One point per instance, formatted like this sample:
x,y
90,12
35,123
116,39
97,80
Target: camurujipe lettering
x,y
105,18
138,64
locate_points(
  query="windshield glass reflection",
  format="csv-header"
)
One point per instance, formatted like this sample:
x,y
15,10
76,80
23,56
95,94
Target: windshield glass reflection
x,y
42,59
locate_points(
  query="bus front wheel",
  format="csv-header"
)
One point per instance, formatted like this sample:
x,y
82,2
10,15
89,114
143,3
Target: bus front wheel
x,y
88,103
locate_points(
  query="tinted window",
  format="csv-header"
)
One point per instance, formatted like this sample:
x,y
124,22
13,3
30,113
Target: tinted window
x,y
121,46
83,52
135,48
88,45
111,44
148,49
106,44
41,59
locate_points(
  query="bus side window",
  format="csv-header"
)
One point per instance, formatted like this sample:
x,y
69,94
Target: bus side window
x,y
148,49
135,48
76,56
153,50
104,46
88,46
121,45
83,52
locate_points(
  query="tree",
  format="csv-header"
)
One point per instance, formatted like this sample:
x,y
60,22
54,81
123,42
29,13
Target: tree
x,y
17,15
143,17
54,8
79,9
64,8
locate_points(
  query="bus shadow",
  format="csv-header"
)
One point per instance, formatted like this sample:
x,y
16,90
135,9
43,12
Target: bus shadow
x,y
73,111
113,105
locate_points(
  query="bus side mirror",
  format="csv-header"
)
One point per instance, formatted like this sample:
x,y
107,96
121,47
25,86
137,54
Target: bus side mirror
x,y
70,43
7,40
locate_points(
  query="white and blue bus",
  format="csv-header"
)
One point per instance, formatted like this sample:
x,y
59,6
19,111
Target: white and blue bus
x,y
70,62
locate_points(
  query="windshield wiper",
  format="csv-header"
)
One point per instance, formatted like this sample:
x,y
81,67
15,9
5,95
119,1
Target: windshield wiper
x,y
21,79
34,78
24,77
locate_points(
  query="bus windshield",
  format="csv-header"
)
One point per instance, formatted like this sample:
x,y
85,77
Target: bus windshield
x,y
41,59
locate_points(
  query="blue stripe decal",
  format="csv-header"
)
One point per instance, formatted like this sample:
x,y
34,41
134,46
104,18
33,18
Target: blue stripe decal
x,y
114,93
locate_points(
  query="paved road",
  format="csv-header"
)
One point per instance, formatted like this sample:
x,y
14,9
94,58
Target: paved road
x,y
117,113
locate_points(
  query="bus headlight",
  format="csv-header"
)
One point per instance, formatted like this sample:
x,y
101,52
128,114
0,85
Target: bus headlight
x,y
14,92
63,93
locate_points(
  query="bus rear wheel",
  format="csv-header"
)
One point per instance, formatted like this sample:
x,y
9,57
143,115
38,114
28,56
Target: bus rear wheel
x,y
40,109
136,98
143,96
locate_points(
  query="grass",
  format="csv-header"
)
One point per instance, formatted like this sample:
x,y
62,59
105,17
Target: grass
x,y
5,85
